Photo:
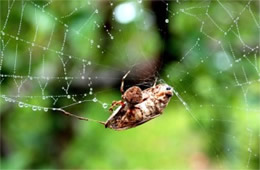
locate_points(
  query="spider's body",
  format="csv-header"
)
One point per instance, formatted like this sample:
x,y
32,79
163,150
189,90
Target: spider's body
x,y
138,107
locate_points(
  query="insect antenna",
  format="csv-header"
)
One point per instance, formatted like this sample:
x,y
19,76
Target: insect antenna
x,y
122,83
155,81
80,117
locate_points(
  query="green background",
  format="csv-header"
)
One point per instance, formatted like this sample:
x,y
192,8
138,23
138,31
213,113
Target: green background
x,y
219,129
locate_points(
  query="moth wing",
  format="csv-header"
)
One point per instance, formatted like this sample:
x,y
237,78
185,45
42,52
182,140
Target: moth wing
x,y
147,119
138,123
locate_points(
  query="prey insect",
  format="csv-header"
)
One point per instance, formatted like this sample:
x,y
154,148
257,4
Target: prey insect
x,y
136,107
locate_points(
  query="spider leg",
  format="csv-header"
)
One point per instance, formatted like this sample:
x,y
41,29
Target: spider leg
x,y
79,117
127,114
115,103
122,82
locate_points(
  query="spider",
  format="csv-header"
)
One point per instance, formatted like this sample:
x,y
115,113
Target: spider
x,y
131,96
136,107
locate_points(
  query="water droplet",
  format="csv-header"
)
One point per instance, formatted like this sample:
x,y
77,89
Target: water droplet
x,y
96,11
94,100
21,104
166,21
45,109
34,108
82,77
104,105
68,96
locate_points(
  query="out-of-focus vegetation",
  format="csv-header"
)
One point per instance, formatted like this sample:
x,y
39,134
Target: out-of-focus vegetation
x,y
54,53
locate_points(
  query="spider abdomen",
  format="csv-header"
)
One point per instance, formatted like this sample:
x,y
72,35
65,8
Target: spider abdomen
x,y
133,95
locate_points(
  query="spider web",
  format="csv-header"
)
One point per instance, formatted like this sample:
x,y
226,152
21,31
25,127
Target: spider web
x,y
69,63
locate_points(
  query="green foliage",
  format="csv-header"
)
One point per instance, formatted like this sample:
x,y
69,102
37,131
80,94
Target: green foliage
x,y
219,82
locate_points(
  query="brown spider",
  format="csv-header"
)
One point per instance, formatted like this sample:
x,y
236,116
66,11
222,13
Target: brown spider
x,y
136,107
132,96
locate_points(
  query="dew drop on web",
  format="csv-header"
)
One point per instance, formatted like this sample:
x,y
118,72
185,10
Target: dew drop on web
x,y
104,105
21,104
34,108
94,99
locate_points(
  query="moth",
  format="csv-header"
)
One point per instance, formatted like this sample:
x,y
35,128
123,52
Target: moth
x,y
136,107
